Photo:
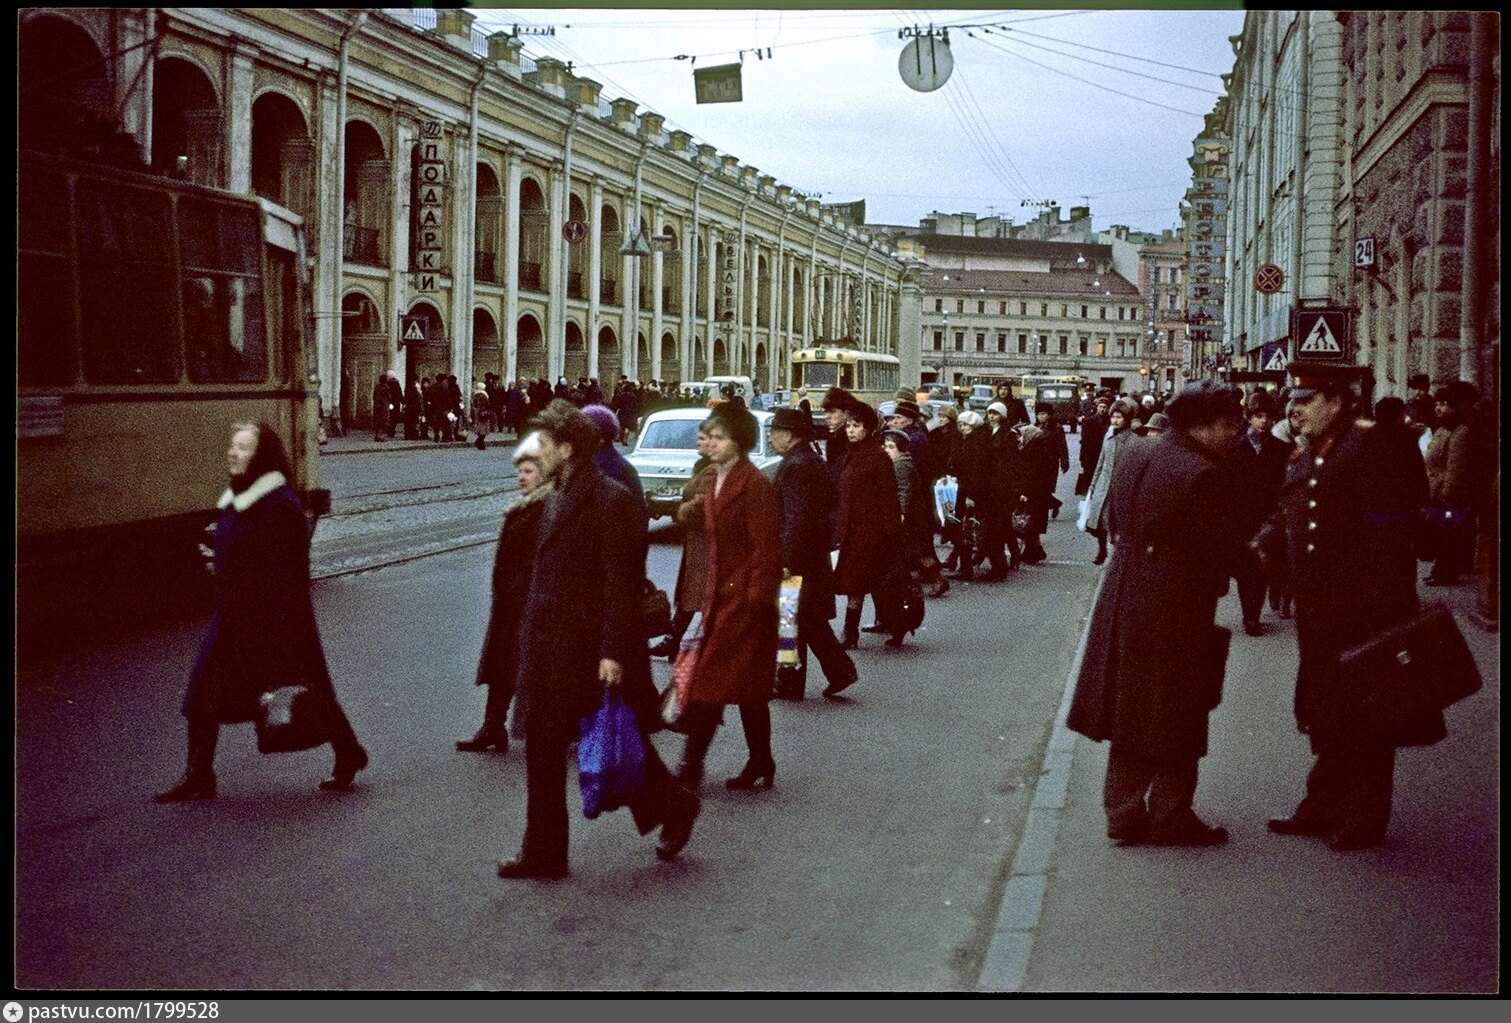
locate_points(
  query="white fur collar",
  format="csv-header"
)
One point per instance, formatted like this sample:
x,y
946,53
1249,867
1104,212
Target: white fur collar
x,y
265,485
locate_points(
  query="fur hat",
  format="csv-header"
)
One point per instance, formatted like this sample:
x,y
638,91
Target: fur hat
x,y
796,420
908,407
529,447
837,398
865,415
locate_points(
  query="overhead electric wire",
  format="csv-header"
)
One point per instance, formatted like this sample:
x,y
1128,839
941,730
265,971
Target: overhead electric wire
x,y
1087,81
991,136
1111,67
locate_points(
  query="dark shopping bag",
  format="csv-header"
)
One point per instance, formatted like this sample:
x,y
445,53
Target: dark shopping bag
x,y
290,719
610,756
1410,672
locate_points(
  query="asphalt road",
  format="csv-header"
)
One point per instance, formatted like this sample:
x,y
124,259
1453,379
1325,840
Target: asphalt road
x,y
876,864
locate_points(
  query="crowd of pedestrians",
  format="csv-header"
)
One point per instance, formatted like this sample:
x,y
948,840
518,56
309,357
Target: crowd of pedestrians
x,y
1303,494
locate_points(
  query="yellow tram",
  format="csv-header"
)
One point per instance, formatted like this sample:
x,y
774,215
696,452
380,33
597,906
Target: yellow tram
x,y
152,314
871,376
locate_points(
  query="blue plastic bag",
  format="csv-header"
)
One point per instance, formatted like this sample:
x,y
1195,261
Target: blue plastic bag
x,y
610,756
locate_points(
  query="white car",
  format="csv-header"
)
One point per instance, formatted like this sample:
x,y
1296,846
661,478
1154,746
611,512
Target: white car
x,y
667,448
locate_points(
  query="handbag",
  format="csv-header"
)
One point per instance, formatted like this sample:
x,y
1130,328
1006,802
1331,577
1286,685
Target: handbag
x,y
290,719
1022,521
674,697
655,610
610,756
1409,673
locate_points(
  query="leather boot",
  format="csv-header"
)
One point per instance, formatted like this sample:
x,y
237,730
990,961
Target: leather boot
x,y
198,781
852,626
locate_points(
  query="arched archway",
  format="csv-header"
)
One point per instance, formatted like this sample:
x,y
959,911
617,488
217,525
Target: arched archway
x,y
434,355
63,92
364,356
576,364
763,291
671,272
670,370
530,353
188,128
534,245
760,372
613,237
283,159
487,355
642,356
610,360
799,303
366,199
490,227
577,254
721,359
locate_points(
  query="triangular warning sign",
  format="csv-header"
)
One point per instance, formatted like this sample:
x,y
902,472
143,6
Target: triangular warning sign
x,y
414,332
1277,361
1320,339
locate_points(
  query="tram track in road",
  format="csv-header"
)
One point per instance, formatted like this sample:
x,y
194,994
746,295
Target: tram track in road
x,y
392,532
407,497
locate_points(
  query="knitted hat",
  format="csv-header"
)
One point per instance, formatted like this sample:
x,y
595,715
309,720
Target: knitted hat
x,y
897,437
998,408
604,418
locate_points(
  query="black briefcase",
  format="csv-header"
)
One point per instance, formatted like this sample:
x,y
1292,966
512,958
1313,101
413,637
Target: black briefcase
x,y
1410,672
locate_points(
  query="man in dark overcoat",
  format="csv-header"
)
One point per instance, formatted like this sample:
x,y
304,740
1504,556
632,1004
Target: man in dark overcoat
x,y
1257,465
380,408
1153,666
807,500
1347,510
580,631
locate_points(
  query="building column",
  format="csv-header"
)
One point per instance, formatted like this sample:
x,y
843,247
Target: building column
x,y
326,290
629,281
595,271
239,118
509,260
556,309
658,272
463,220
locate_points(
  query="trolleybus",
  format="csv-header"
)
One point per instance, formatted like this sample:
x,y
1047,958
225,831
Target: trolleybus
x,y
152,315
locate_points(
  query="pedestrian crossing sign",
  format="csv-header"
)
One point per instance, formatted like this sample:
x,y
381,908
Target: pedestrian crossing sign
x,y
414,328
1319,333
1277,360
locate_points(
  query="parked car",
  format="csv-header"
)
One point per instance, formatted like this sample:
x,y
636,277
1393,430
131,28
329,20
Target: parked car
x,y
981,396
667,448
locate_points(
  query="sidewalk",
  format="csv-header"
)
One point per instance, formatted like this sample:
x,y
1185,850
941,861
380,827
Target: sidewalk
x,y
1266,913
360,442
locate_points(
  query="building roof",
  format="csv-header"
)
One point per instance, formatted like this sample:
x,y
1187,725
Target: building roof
x,y
1061,283
1024,247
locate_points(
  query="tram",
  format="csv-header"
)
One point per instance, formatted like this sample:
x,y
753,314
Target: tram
x,y
152,315
871,376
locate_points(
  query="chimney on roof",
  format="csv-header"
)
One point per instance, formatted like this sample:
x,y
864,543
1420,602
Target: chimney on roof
x,y
707,154
681,142
650,124
504,50
455,26
550,76
586,92
622,112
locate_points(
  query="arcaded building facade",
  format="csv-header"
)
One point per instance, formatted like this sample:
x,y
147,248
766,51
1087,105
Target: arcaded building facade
x,y
469,210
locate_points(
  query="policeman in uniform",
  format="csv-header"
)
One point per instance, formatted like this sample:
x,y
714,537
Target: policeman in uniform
x,y
1346,514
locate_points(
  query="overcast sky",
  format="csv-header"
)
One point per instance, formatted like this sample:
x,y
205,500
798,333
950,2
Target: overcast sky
x,y
1082,107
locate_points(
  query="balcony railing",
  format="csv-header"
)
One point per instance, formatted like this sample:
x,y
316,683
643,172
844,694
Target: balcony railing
x,y
574,285
360,245
529,276
485,266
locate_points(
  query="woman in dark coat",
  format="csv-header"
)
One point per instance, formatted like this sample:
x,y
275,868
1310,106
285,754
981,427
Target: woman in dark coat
x,y
1039,475
867,523
512,563
915,501
263,634
737,661
969,467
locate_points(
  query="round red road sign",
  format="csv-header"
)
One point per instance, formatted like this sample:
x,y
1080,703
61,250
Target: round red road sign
x,y
1269,279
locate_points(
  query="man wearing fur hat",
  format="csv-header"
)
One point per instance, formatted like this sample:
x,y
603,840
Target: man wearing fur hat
x,y
580,631
1153,667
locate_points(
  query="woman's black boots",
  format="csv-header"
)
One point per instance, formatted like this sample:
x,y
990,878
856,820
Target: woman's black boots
x,y
198,781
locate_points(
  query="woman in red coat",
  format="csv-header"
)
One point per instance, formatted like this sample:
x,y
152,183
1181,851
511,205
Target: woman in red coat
x,y
868,523
737,662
